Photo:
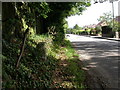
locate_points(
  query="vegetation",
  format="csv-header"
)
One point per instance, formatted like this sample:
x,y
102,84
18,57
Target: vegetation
x,y
98,30
77,27
34,46
108,18
116,26
34,70
110,22
37,70
78,30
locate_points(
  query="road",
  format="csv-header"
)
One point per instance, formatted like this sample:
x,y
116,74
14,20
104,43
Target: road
x,y
99,56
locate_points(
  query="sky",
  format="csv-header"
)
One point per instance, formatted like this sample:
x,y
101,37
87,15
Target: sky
x,y
92,13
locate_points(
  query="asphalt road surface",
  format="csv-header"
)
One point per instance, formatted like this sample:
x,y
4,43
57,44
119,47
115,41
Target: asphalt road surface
x,y
99,56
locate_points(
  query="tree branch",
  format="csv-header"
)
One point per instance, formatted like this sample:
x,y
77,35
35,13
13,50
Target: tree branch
x,y
22,49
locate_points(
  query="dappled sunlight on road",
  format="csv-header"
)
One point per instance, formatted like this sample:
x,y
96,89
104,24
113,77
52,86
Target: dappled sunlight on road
x,y
98,55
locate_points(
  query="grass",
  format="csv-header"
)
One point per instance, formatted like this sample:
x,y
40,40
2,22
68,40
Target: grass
x,y
59,68
70,73
74,70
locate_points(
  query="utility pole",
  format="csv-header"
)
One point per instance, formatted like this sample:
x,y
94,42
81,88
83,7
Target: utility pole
x,y
113,13
116,32
111,1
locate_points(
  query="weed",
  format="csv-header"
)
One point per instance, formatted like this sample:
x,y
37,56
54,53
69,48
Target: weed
x,y
36,71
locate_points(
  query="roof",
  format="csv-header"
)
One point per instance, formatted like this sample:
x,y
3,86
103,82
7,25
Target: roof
x,y
90,26
102,23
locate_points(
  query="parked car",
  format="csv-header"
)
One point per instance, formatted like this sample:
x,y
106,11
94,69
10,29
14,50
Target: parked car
x,y
68,35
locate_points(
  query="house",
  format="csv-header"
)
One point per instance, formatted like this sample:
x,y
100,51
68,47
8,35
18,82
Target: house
x,y
90,26
102,23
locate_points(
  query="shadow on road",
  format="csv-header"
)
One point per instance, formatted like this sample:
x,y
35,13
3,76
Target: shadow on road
x,y
100,58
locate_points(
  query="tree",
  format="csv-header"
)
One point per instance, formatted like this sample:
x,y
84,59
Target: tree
x,y
109,20
116,26
76,27
98,30
39,16
21,16
22,19
107,17
61,10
